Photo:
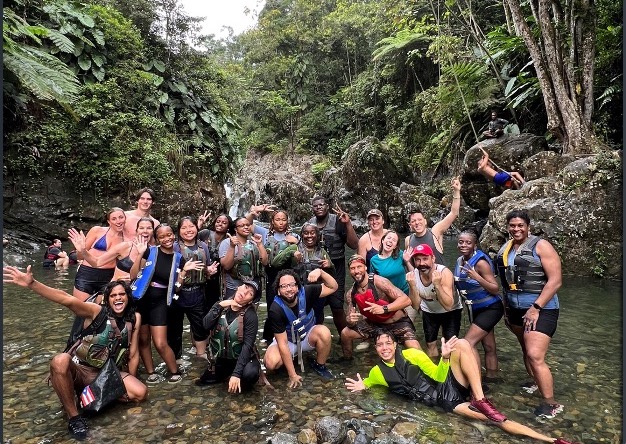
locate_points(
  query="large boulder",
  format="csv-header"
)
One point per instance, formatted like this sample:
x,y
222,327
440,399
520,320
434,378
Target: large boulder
x,y
579,210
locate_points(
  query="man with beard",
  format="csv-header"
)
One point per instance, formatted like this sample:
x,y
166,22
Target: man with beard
x,y
145,200
431,289
336,232
380,305
292,321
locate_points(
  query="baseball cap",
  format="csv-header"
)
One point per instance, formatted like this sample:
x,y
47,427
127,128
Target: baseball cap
x,y
356,257
374,211
253,284
422,249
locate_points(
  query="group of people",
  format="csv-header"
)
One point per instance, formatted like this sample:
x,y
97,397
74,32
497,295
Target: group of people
x,y
149,275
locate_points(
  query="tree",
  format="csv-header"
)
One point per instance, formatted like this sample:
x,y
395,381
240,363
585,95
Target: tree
x,y
563,54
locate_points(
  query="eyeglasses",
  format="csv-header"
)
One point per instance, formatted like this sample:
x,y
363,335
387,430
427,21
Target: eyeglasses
x,y
242,225
289,285
319,205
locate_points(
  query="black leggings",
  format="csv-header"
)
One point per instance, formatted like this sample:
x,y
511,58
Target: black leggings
x,y
224,370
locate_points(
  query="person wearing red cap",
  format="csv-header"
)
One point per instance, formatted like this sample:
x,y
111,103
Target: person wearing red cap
x,y
449,384
433,237
374,303
431,289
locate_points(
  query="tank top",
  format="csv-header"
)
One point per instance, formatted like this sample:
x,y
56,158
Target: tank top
x,y
429,302
429,240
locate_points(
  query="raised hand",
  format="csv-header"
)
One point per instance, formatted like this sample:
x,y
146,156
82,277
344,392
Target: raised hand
x,y
77,238
343,216
470,271
12,275
229,303
298,256
213,268
193,265
234,240
447,347
203,218
291,239
456,183
436,276
374,308
140,244
353,316
355,385
257,238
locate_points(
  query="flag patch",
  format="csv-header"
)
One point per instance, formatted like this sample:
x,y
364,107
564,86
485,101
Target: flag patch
x,y
86,397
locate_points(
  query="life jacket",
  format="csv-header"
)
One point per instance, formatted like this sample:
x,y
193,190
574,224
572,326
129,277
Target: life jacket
x,y
409,380
78,331
329,239
274,246
371,295
94,349
50,256
214,246
201,253
472,292
226,340
526,274
141,284
429,240
247,264
310,261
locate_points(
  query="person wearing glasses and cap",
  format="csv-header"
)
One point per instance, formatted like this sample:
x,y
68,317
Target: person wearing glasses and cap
x,y
431,289
374,303
291,318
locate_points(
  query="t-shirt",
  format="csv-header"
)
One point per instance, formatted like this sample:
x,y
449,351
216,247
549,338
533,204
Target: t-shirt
x,y
392,269
416,357
277,318
163,266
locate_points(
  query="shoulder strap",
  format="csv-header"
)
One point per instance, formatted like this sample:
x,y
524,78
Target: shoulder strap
x,y
372,286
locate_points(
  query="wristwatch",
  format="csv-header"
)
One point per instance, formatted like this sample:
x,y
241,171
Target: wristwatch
x,y
385,309
537,306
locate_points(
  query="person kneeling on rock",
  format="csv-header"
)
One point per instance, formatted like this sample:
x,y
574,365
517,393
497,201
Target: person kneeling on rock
x,y
411,373
233,324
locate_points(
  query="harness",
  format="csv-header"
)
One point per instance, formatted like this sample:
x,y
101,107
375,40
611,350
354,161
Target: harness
x,y
329,239
371,295
526,274
473,294
409,380
200,253
246,262
301,325
310,261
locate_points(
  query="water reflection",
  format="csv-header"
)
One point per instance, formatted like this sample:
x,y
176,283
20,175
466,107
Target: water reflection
x,y
585,357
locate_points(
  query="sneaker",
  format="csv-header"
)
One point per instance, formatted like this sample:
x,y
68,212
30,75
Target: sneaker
x,y
321,370
548,411
77,427
363,345
485,407
175,378
153,378
563,441
529,387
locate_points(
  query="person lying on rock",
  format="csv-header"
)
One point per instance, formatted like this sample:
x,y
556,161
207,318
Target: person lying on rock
x,y
506,179
411,373
117,328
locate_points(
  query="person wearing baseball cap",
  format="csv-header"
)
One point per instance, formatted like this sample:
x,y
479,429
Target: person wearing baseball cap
x,y
374,303
431,289
233,324
369,243
433,237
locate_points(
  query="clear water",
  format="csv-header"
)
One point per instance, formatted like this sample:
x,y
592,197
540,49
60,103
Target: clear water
x,y
585,357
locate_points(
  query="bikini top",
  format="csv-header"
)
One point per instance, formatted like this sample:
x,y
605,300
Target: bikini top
x,y
126,263
101,244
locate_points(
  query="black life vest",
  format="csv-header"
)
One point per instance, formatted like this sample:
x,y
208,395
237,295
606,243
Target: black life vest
x,y
409,380
329,239
526,274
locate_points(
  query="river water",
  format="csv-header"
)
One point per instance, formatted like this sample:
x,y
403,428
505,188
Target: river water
x,y
585,357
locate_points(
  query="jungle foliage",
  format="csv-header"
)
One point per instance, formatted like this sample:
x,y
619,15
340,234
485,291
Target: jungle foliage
x,y
112,93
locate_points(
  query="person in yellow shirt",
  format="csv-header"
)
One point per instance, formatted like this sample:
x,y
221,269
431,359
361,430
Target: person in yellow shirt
x,y
411,373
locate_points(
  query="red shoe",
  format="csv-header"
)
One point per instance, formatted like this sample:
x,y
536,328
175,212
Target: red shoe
x,y
562,441
485,407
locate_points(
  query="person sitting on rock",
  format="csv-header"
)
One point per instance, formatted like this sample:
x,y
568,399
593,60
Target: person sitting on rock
x,y
55,256
411,373
502,178
495,127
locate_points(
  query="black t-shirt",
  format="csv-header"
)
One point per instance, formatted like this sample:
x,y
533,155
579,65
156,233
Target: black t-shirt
x,y
163,266
278,319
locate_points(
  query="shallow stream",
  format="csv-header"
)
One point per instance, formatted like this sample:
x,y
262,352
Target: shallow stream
x,y
585,357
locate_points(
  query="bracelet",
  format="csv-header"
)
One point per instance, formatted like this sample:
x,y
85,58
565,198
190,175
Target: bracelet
x,y
444,358
537,306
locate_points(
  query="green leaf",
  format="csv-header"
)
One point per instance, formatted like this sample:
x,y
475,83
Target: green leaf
x,y
510,85
98,59
147,66
164,97
78,48
181,87
98,36
159,65
84,62
98,73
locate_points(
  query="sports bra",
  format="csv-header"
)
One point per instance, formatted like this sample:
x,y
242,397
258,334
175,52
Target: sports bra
x,y
124,264
101,244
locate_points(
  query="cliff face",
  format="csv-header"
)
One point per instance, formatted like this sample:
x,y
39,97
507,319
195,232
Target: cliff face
x,y
574,203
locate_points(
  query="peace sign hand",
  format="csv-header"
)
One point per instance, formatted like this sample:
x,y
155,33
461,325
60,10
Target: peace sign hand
x,y
203,218
343,216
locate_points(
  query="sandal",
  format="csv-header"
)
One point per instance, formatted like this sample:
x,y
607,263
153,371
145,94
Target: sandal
x,y
153,378
175,378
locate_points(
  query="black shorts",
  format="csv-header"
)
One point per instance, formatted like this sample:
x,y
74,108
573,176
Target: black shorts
x,y
337,299
449,322
91,280
487,317
153,307
546,323
403,329
451,393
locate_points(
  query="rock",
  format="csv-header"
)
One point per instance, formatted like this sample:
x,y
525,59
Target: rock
x,y
307,436
282,438
330,429
406,429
